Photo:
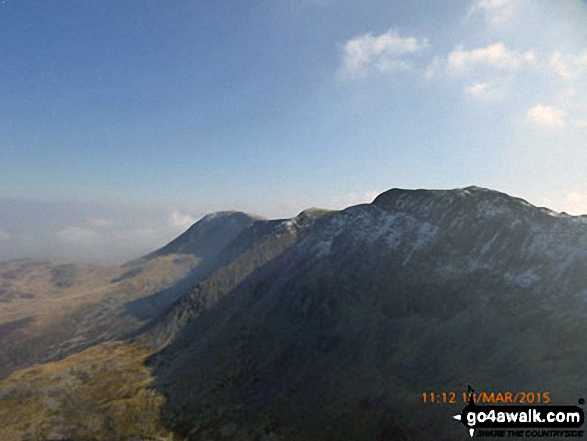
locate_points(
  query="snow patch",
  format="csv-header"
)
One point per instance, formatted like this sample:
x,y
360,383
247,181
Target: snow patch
x,y
426,232
367,225
524,279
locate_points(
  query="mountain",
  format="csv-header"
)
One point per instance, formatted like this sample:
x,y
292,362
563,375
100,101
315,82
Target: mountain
x,y
261,242
209,236
50,309
331,325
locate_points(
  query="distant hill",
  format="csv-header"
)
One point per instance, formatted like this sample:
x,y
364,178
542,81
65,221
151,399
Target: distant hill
x,y
50,309
331,325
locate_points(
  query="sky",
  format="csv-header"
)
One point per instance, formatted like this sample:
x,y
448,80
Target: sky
x,y
123,122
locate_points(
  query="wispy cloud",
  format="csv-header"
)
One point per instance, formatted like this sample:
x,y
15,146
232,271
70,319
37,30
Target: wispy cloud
x,y
378,53
484,91
490,72
569,66
579,123
546,116
496,56
181,220
495,11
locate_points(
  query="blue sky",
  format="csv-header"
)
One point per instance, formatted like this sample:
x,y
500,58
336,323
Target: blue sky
x,y
171,109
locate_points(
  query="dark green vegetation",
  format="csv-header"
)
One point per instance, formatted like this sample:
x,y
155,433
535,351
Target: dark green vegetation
x,y
330,325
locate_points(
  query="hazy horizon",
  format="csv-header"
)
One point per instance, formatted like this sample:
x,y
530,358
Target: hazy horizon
x,y
114,232
111,233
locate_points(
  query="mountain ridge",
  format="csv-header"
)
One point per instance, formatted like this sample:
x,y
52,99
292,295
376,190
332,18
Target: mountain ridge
x,y
330,325
483,250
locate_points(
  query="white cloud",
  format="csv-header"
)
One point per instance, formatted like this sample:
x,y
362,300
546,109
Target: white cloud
x,y
496,11
579,123
546,116
569,66
496,56
560,65
181,220
383,53
483,91
437,64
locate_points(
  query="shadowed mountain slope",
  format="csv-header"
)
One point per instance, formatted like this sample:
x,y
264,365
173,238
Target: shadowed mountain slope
x,y
50,309
331,325
209,236
338,336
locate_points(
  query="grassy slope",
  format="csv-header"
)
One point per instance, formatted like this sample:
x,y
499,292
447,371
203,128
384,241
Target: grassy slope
x,y
50,309
99,394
